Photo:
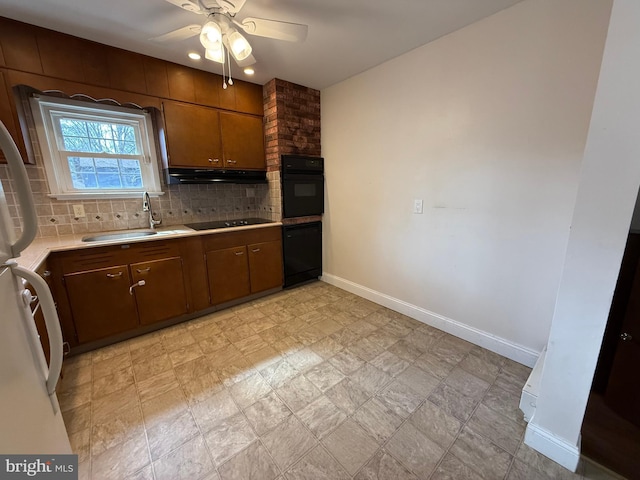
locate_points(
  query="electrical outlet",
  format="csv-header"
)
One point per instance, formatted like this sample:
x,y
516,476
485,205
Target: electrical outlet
x,y
417,205
78,211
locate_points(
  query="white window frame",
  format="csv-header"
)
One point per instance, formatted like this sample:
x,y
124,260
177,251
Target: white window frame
x,y
46,112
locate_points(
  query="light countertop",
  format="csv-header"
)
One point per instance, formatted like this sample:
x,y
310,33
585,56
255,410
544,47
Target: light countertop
x,y
40,248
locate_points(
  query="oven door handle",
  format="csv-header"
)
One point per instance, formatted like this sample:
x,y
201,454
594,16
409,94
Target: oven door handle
x,y
299,177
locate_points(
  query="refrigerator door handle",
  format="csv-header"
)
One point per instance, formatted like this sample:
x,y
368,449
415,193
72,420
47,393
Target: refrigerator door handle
x,y
22,192
52,323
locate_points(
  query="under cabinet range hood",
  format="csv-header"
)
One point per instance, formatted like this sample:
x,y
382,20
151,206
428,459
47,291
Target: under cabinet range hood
x,y
202,175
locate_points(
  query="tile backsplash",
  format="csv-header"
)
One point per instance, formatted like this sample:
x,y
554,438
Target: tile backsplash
x,y
180,204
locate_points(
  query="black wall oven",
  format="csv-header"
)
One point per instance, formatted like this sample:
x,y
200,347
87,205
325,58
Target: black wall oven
x,y
302,186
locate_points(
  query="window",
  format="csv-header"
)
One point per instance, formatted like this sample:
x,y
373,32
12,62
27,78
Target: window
x,y
95,151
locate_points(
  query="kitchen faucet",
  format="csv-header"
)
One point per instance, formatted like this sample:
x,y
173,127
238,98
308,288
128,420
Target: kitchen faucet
x,y
146,207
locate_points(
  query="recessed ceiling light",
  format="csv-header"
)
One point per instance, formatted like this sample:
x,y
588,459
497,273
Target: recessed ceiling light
x,y
194,56
249,71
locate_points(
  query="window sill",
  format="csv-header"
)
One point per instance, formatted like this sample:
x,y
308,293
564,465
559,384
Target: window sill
x,y
101,196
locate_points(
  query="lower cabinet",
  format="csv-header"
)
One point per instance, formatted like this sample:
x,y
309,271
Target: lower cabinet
x,y
265,265
106,291
100,302
162,296
239,264
115,291
228,274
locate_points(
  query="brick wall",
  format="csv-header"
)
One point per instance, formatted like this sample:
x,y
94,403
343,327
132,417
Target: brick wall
x,y
292,126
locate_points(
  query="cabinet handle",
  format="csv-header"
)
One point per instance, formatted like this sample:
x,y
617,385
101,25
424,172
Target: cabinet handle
x,y
255,250
143,270
231,161
214,160
114,275
239,253
46,274
140,283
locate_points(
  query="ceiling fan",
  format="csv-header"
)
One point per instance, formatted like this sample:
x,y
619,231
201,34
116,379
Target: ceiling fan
x,y
219,35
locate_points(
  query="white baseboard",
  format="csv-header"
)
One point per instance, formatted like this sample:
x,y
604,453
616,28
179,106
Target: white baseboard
x,y
552,446
514,351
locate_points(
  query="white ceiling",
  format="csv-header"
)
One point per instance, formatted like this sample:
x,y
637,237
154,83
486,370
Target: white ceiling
x,y
346,37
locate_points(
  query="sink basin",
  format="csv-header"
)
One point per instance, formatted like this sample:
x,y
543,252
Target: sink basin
x,y
105,237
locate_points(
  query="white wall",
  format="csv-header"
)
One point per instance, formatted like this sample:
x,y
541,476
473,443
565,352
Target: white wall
x,y
488,126
609,183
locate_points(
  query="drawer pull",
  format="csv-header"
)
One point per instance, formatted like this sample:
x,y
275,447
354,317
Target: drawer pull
x,y
239,253
214,160
143,270
232,161
255,250
140,283
114,275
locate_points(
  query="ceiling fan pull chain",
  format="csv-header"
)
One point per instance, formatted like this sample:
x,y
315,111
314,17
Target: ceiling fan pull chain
x,y
229,67
224,78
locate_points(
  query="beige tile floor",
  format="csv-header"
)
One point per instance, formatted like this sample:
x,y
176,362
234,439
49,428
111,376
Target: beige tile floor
x,y
311,383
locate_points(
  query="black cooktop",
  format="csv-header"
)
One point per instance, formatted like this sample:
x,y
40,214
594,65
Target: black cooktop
x,y
240,222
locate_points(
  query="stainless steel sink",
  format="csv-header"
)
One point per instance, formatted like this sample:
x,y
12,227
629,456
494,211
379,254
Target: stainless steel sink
x,y
105,237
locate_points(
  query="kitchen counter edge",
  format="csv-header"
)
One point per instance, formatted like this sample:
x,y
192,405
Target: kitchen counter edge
x,y
33,257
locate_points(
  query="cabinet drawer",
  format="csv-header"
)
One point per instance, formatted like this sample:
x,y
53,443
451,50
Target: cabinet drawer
x,y
153,250
227,240
102,257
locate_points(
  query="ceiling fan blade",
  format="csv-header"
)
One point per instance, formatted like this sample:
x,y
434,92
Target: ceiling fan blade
x,y
179,34
290,32
231,6
250,60
188,5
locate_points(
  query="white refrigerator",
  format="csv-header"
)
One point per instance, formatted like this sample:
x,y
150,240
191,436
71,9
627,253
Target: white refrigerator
x,y
30,417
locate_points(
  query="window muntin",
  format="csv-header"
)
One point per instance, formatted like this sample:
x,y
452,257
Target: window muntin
x,y
97,152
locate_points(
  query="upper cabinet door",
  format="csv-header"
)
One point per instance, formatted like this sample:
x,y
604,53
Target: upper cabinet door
x,y
9,119
193,135
243,141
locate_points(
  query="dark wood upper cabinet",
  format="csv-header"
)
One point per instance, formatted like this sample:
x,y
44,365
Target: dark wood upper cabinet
x,y
19,46
181,85
242,141
6,115
249,98
126,71
227,96
9,116
207,86
61,55
193,135
94,64
155,74
2,62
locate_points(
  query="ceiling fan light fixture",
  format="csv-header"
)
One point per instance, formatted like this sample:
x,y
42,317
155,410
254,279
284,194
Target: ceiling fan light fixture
x,y
211,36
215,55
239,46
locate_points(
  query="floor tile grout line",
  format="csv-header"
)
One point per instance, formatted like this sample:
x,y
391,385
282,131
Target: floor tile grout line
x,y
350,416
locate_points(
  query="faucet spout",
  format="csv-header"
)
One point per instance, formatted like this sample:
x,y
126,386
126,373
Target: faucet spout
x,y
146,207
